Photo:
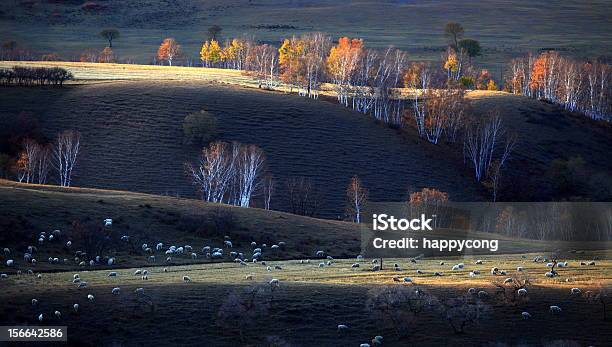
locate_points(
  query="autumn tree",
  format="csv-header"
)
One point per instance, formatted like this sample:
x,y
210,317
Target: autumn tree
x,y
211,53
106,56
454,32
356,196
168,50
302,61
263,61
427,201
110,35
342,65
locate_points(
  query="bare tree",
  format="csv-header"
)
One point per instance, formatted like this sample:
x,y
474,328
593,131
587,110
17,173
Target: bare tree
x,y
303,197
65,152
250,166
110,35
268,190
244,307
485,142
31,149
43,163
357,196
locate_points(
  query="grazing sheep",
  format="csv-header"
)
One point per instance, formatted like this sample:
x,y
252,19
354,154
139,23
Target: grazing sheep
x,y
364,345
461,265
91,263
40,317
277,267
473,274
188,248
116,291
10,262
329,263
139,291
329,257
111,261
441,263
483,295
519,269
525,315
554,309
228,244
455,267
165,269
376,268
407,280
137,272
549,264
58,314
582,263
420,272
248,277
169,259
159,246
321,264
90,297
75,307
7,251
274,283
320,254
145,278
186,279
82,284
522,292
342,328
253,244
479,262
112,274
494,271
396,279
108,222
194,256
34,302
360,257
39,276
508,280
437,273
591,263
472,291
576,291
125,238
502,273
374,261
275,247
3,276
355,265
377,340
549,274
152,259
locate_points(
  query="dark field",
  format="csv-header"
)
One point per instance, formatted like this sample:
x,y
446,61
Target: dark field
x,y
506,28
133,140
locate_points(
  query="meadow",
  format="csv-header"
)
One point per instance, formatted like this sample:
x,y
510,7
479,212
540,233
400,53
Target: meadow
x,y
505,28
311,299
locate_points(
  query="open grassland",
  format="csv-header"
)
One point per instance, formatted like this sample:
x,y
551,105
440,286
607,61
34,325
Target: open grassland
x,y
30,209
310,301
504,27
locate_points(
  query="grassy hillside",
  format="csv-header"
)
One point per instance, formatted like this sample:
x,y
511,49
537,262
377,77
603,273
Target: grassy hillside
x,y
505,27
135,127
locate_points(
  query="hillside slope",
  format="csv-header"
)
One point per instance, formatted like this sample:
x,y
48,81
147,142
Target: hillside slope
x,y
133,140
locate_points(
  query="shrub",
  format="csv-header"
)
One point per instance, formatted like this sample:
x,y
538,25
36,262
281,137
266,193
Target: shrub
x,y
200,127
467,82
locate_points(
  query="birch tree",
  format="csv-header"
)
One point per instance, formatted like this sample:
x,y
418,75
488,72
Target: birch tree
x,y
357,196
65,152
250,167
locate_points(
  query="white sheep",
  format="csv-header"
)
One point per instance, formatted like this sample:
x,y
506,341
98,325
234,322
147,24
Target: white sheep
x,y
550,264
360,257
274,283
75,307
90,297
508,280
186,279
40,317
111,261
522,292
108,222
376,268
455,267
554,309
194,256
159,246
478,262
228,243
420,272
482,294
248,277
472,291
342,328
68,244
139,291
576,291
519,269
112,274
151,259
437,273
525,315
3,276
321,264
320,254
364,345
58,314
34,302
7,251
377,340
494,271
116,291
355,265
39,276
10,262
274,247
549,274
82,284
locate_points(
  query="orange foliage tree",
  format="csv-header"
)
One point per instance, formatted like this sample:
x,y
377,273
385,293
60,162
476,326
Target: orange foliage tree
x,y
168,50
343,63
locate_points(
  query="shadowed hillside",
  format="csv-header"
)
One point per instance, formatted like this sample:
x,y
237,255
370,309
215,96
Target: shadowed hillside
x,y
133,140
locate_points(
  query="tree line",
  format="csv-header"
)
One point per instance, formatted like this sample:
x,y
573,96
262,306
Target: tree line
x,y
33,76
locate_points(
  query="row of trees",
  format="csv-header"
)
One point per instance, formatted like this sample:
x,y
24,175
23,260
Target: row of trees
x,y
576,85
30,76
35,161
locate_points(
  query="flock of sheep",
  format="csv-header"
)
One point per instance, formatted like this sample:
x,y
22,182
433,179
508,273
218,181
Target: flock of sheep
x,y
257,252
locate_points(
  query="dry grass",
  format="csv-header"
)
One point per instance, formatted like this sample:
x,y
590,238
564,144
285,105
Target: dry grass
x,y
505,27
